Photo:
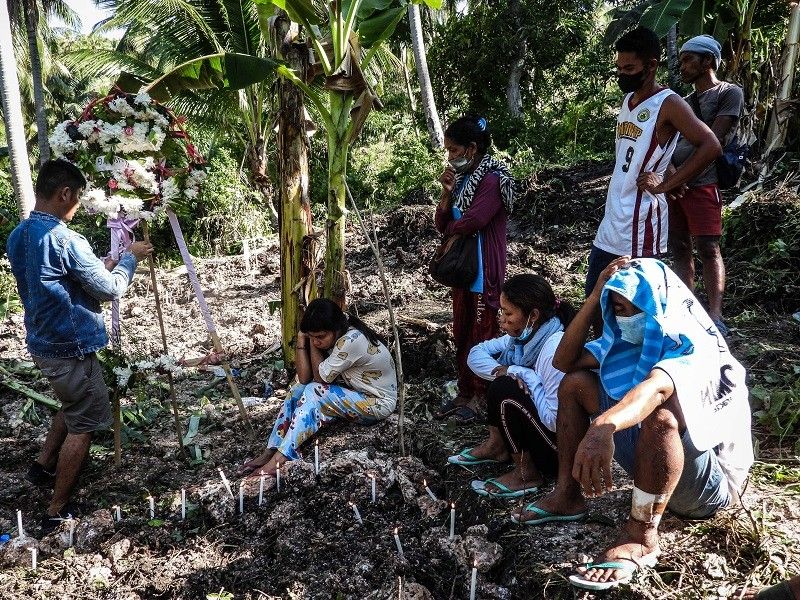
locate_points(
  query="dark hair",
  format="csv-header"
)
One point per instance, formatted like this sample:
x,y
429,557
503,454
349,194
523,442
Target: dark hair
x,y
643,42
323,314
56,174
528,291
468,129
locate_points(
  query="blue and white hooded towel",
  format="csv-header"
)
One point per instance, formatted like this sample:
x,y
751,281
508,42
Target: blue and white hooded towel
x,y
681,340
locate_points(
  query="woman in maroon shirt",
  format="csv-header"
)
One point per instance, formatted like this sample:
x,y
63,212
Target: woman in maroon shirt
x,y
477,196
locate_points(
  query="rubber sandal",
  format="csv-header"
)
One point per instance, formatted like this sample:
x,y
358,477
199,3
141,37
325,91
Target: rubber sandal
x,y
507,492
465,458
447,407
722,328
628,565
464,415
545,516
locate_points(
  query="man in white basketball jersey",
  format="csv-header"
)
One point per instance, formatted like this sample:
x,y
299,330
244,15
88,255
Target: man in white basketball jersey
x,y
650,119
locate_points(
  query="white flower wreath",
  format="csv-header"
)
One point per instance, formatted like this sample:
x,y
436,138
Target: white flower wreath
x,y
135,153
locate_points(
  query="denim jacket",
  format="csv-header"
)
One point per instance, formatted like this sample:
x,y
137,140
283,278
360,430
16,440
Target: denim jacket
x,y
61,283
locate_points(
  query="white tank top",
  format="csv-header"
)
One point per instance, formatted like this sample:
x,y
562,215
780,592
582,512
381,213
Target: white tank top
x,y
635,222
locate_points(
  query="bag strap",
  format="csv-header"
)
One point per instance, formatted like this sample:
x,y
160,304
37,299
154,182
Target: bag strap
x,y
694,102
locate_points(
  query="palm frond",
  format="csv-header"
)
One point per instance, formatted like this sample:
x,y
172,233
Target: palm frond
x,y
104,63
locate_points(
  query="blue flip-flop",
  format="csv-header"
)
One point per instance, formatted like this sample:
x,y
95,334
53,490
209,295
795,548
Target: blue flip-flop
x,y
628,566
545,516
479,487
465,459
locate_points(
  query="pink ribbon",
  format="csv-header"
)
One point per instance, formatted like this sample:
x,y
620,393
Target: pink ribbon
x,y
121,237
187,260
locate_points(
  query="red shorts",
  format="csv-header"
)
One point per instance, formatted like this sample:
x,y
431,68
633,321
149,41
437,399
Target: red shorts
x,y
699,212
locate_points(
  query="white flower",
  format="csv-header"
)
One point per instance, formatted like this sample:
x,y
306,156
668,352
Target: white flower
x,y
130,205
191,193
169,190
96,202
60,142
142,99
89,130
123,375
110,134
121,106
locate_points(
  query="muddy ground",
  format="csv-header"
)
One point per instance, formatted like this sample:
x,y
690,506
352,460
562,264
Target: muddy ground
x,y
304,541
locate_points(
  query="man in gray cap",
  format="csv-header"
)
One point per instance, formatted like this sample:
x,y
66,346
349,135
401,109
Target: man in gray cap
x,y
695,210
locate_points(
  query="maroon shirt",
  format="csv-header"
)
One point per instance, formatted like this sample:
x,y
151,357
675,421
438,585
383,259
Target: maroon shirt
x,y
486,215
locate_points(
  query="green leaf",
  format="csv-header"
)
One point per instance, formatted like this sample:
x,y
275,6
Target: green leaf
x,y
662,16
216,71
693,18
191,431
434,4
379,26
299,11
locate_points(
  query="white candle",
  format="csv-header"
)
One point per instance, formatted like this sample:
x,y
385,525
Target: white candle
x,y
430,493
356,513
452,520
397,542
400,588
474,585
241,497
261,488
278,477
372,476
33,552
316,457
71,531
183,504
225,482
152,503
20,530
117,514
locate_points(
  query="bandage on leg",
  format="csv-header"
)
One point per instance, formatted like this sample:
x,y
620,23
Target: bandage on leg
x,y
647,507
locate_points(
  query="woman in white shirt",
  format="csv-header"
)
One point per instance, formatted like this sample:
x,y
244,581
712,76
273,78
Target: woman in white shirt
x,y
344,372
522,397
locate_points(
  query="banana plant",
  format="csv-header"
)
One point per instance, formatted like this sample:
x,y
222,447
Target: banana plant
x,y
343,37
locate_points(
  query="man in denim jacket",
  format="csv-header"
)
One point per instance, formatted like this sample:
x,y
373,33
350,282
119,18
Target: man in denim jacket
x,y
61,283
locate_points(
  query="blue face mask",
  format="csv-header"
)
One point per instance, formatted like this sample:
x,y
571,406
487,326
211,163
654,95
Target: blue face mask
x,y
526,334
632,328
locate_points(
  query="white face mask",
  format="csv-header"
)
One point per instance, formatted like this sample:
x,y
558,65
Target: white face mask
x,y
632,328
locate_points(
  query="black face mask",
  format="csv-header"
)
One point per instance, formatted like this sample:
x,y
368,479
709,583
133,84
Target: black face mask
x,y
631,83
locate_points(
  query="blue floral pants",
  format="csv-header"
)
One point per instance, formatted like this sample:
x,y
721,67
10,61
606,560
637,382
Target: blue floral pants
x,y
310,406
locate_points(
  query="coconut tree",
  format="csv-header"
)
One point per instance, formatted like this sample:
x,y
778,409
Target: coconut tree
x,y
425,88
12,117
343,38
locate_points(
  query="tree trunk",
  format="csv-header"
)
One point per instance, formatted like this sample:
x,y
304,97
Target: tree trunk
x,y
259,177
336,281
32,27
294,217
426,91
513,93
12,117
672,58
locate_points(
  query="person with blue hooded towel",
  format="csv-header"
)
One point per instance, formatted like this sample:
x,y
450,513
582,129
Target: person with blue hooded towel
x,y
660,393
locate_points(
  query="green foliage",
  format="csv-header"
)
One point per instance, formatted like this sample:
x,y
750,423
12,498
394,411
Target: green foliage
x,y
392,164
776,402
761,246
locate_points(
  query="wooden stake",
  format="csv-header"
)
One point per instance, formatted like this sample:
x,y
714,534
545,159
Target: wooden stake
x,y
398,356
117,430
172,397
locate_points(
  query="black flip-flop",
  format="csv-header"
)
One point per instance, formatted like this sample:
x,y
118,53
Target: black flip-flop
x,y
464,415
446,408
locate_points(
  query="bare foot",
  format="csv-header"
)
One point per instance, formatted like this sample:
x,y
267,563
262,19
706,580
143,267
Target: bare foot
x,y
637,543
556,503
255,463
490,449
271,466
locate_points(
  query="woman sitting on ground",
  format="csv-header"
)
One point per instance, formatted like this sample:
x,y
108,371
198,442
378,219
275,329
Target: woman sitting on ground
x,y
522,397
345,372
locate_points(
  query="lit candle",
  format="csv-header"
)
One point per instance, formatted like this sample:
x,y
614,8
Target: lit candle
x,y
316,457
397,542
71,530
261,488
117,514
278,477
474,585
372,476
183,504
20,530
452,520
33,552
241,497
152,502
225,482
430,493
356,513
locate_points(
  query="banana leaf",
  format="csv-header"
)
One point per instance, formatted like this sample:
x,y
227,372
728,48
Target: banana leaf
x,y
662,16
